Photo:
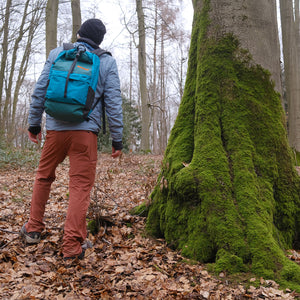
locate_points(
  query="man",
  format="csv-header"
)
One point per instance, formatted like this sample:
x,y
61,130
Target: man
x,y
76,140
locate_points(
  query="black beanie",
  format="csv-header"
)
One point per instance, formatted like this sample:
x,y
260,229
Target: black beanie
x,y
93,29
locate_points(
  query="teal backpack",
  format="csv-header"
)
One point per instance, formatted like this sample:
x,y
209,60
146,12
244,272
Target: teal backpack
x,y
72,84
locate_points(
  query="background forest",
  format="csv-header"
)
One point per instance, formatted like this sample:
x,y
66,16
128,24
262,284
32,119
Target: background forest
x,y
29,29
150,41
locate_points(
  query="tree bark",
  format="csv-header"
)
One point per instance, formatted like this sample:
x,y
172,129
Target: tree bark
x,y
228,191
51,25
145,138
76,18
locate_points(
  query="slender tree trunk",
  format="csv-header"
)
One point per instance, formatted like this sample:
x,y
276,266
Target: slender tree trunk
x,y
76,18
228,191
163,112
130,72
291,49
51,25
145,139
4,54
154,86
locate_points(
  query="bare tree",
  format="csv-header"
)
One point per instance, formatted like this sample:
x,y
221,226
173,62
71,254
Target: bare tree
x,y
165,33
19,38
162,39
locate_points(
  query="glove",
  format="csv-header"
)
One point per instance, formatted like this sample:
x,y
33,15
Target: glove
x,y
117,145
34,129
116,149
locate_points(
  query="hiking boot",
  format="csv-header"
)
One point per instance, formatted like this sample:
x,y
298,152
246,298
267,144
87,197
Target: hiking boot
x,y
79,256
30,237
86,245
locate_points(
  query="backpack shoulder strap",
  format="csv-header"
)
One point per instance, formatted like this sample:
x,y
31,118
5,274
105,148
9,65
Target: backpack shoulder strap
x,y
100,51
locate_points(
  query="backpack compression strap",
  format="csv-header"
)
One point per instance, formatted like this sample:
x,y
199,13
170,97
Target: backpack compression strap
x,y
79,51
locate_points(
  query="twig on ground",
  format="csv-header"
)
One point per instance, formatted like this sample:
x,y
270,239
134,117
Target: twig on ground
x,y
9,231
106,241
3,246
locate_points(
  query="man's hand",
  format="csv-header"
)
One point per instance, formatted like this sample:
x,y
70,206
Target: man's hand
x,y
36,138
115,153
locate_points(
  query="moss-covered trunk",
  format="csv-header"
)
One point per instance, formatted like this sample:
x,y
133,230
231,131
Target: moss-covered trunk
x,y
228,191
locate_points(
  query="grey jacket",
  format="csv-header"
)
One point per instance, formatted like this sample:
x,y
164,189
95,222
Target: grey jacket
x,y
108,82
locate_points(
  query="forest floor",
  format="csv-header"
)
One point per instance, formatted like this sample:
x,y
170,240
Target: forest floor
x,y
124,263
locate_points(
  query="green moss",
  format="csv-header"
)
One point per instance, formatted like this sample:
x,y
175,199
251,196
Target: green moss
x,y
290,276
93,227
230,193
296,157
229,262
140,210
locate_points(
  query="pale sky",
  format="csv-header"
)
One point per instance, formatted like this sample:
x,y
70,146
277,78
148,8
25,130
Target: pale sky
x,y
110,13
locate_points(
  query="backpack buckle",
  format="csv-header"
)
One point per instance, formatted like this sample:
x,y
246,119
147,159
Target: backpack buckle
x,y
80,49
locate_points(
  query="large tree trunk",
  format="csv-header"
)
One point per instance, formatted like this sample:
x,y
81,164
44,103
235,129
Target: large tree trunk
x,y
228,191
291,45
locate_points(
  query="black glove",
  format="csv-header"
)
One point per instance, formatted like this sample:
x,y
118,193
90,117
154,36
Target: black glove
x,y
34,129
117,145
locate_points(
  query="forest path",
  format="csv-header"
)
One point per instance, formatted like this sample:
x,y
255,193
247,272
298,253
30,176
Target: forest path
x,y
124,262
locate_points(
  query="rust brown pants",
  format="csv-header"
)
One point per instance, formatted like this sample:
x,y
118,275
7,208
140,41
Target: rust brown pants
x,y
81,147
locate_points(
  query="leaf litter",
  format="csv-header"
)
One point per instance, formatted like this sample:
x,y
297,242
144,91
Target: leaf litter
x,y
124,263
